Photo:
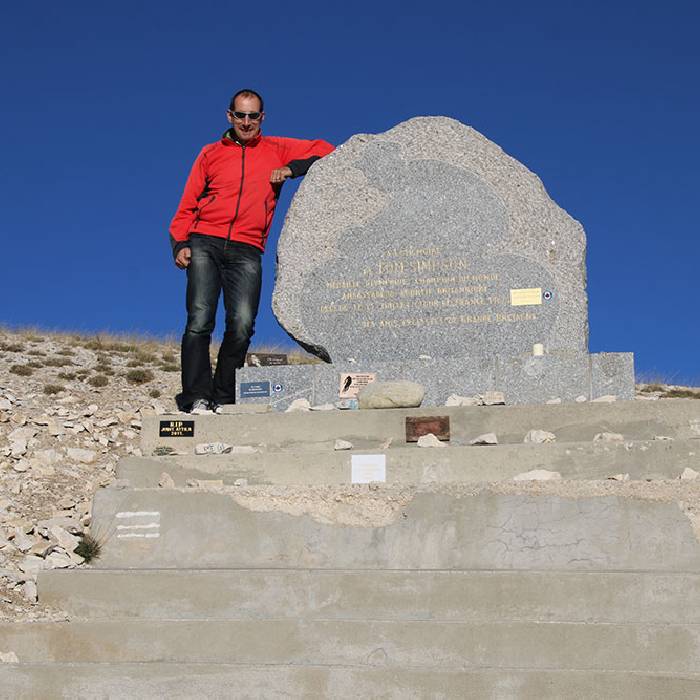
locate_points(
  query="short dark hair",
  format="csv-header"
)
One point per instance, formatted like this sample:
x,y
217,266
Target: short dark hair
x,y
247,92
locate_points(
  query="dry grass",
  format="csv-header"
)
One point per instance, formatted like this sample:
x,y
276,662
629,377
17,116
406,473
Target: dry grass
x,y
51,389
139,376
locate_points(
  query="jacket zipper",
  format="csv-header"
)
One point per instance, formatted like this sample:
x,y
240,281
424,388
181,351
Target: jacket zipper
x,y
267,227
238,203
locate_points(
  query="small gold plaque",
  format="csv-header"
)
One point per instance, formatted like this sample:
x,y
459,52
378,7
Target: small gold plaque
x,y
526,297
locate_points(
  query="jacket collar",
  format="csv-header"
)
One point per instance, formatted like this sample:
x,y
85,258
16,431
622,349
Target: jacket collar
x,y
229,139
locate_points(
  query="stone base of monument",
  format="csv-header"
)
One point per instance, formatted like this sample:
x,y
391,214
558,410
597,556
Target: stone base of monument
x,y
523,379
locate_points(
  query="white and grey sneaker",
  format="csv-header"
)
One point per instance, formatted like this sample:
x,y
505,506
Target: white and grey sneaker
x,y
201,407
217,407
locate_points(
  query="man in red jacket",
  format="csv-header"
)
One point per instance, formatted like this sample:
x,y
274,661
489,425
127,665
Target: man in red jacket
x,y
218,235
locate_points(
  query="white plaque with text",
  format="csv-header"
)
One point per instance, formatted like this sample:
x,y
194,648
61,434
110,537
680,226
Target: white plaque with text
x,y
368,468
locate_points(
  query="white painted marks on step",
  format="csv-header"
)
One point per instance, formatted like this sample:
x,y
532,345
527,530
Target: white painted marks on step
x,y
141,524
368,468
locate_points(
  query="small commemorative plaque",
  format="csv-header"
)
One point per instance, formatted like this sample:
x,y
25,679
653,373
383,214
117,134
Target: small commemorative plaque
x,y
253,390
422,425
176,428
266,359
532,296
351,383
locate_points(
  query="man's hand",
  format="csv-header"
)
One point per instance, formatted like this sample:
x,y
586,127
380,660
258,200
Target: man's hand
x,y
280,175
183,258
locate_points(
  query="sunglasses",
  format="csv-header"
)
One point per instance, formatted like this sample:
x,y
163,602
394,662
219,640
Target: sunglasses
x,y
240,116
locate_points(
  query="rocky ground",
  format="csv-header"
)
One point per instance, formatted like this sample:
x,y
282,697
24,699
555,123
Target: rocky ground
x,y
70,407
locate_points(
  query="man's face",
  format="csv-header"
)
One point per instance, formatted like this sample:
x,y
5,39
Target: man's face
x,y
246,129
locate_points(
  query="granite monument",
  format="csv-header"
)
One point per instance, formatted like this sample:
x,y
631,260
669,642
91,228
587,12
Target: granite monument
x,y
427,253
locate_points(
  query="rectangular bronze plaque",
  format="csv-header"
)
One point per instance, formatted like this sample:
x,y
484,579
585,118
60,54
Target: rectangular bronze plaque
x,y
266,359
422,425
176,428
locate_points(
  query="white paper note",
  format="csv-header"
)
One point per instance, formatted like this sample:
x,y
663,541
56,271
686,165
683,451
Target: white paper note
x,y
368,468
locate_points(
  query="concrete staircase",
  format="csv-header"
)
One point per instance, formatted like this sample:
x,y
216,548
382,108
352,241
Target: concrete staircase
x,y
272,575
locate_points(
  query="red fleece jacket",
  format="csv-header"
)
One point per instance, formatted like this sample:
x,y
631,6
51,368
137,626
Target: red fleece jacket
x,y
229,194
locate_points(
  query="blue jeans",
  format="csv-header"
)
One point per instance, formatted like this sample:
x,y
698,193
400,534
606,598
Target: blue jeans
x,y
235,268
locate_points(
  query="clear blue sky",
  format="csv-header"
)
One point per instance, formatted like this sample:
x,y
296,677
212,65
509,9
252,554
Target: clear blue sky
x,y
105,105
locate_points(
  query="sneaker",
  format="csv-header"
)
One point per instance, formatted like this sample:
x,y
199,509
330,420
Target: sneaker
x,y
217,408
201,407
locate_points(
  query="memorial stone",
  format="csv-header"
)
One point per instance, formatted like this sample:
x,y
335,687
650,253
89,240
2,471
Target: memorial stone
x,y
428,254
429,240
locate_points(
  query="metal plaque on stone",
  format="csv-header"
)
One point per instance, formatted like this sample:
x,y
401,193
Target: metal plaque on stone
x,y
266,359
417,426
176,428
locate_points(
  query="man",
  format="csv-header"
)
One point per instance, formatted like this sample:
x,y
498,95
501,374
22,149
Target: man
x,y
218,235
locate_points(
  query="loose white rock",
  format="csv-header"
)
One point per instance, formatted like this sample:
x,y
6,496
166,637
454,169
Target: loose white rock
x,y
83,456
609,437
8,657
58,560
29,591
323,407
22,466
22,541
54,429
18,448
538,475
663,438
619,477
430,440
19,434
298,405
539,436
31,565
581,399
456,400
485,439
689,474
401,394
47,457
64,538
608,398
553,402
342,445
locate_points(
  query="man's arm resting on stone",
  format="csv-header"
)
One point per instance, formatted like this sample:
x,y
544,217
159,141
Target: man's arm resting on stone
x,y
295,168
301,167
302,155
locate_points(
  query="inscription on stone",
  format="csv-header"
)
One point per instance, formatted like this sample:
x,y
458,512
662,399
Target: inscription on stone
x,y
176,428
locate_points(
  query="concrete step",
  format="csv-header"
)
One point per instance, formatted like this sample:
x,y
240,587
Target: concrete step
x,y
466,596
215,681
636,420
508,526
425,644
414,465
